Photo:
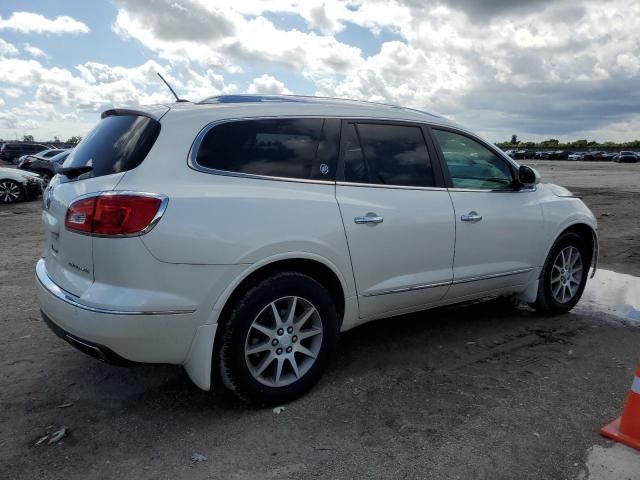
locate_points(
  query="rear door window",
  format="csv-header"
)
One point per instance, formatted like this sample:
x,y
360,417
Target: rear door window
x,y
298,148
387,155
117,144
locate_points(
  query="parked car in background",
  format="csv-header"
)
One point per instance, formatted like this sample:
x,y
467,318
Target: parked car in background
x,y
597,156
561,155
44,166
245,232
12,151
626,157
17,185
575,156
48,153
608,156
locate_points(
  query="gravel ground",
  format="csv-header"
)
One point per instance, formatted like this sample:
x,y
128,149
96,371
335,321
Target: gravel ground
x,y
487,390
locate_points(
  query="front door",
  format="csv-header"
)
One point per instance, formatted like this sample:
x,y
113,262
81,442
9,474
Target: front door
x,y
398,218
499,225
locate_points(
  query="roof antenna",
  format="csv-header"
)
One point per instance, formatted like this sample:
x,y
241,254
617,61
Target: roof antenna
x,y
178,99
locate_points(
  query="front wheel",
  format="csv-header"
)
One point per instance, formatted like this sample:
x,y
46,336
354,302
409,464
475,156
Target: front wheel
x,y
564,275
279,339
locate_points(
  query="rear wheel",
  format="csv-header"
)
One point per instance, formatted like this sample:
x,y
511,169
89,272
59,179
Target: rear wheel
x,y
279,339
11,191
564,275
46,177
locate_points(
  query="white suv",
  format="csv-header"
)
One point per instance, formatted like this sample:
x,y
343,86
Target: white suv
x,y
237,236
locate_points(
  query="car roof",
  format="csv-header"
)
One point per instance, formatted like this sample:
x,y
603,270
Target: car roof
x,y
247,106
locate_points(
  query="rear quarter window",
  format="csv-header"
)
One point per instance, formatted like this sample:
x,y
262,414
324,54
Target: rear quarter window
x,y
117,144
297,148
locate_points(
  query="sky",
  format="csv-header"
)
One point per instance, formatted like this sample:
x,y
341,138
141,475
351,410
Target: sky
x,y
565,69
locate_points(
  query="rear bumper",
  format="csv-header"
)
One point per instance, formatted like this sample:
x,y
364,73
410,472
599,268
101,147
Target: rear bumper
x,y
113,335
90,348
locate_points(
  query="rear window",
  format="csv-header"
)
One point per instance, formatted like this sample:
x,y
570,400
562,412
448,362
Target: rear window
x,y
302,148
117,144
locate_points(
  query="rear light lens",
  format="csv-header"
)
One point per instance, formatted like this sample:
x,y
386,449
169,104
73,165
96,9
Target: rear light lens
x,y
109,214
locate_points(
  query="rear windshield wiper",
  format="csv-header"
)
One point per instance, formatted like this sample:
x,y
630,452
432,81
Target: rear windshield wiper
x,y
73,172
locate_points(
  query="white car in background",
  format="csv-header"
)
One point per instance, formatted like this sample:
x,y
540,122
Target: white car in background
x,y
239,235
17,185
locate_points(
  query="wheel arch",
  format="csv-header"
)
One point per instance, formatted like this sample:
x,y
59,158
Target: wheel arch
x,y
586,232
201,364
314,266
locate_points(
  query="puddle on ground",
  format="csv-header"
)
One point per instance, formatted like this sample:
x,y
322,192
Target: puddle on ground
x,y
612,293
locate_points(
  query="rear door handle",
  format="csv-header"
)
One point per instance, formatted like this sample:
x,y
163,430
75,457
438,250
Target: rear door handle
x,y
471,217
368,218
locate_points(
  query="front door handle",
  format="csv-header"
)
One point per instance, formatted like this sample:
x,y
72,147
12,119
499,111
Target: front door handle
x,y
368,218
471,217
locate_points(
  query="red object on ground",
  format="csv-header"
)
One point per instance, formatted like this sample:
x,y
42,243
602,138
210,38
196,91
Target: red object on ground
x,y
626,429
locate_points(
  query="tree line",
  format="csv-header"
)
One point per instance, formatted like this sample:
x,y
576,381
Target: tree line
x,y
556,144
56,140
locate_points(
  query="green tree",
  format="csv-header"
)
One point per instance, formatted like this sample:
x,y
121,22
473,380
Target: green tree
x,y
74,140
27,138
579,143
552,142
514,139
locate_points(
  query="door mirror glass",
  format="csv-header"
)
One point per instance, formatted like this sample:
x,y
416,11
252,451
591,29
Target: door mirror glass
x,y
528,176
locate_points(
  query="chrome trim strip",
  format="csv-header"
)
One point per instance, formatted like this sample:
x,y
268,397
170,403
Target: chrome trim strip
x,y
493,275
406,289
377,185
502,190
195,146
568,196
71,299
164,202
226,173
443,284
193,152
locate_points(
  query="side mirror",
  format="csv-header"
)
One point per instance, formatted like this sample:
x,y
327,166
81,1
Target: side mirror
x,y
528,176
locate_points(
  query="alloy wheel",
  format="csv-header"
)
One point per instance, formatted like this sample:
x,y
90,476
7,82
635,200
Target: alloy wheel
x,y
566,274
9,191
284,341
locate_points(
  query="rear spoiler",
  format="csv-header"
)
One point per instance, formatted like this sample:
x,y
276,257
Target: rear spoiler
x,y
155,112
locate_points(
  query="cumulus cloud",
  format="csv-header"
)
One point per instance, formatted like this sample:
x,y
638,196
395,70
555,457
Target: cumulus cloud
x,y
26,22
11,92
34,51
532,67
268,85
7,49
224,37
14,121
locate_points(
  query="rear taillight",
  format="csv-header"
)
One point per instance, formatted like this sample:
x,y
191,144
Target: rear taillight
x,y
114,214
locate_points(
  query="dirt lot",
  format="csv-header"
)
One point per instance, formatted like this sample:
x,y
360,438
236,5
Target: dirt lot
x,y
487,390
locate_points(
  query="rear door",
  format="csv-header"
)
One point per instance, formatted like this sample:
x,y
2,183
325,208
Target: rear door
x,y
117,144
397,216
499,225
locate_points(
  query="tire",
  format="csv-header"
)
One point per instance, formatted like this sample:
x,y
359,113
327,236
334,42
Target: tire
x,y
252,325
560,290
46,177
11,191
